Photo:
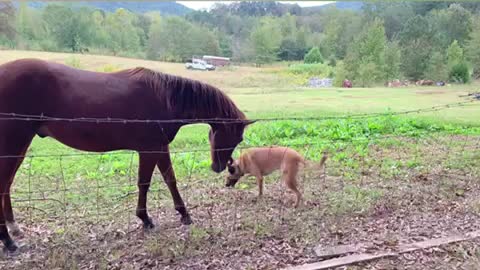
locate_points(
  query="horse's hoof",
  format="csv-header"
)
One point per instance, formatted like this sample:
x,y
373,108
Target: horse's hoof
x,y
186,220
10,247
148,224
14,230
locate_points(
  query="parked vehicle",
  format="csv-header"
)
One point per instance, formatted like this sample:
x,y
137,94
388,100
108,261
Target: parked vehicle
x,y
199,64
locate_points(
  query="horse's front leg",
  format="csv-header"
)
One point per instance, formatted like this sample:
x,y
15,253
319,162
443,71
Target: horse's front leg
x,y
165,166
145,171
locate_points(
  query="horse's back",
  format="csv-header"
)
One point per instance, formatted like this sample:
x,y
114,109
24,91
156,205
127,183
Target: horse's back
x,y
21,84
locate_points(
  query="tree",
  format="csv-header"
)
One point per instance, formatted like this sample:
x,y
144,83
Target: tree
x,y
313,56
454,54
126,40
453,23
7,14
266,38
392,61
416,39
366,52
460,73
70,29
340,29
340,74
366,74
225,44
437,69
472,50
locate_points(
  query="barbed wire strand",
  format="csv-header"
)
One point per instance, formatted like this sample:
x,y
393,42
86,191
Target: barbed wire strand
x,y
7,116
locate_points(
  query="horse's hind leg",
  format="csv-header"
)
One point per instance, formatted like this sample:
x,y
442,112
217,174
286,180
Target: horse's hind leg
x,y
7,169
12,146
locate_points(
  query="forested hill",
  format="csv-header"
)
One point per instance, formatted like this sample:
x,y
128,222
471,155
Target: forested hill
x,y
173,8
166,8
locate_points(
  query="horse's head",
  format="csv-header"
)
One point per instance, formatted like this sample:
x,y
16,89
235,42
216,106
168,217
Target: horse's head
x,y
223,140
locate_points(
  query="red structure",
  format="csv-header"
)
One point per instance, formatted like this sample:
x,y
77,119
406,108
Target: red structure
x,y
216,60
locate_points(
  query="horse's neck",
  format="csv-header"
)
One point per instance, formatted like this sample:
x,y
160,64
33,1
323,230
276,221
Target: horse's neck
x,y
199,115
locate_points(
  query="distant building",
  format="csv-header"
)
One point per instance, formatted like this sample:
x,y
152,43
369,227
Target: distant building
x,y
216,60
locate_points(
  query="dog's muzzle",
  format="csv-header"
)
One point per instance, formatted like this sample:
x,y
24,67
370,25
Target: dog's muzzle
x,y
231,182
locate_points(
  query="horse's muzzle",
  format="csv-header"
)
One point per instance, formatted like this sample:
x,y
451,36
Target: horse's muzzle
x,y
218,168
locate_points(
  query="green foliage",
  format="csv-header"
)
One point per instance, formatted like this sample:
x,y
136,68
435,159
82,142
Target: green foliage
x,y
175,39
313,56
340,74
398,38
416,39
453,23
70,29
73,62
266,39
472,50
454,54
108,68
392,61
126,40
366,74
437,69
460,73
365,61
322,70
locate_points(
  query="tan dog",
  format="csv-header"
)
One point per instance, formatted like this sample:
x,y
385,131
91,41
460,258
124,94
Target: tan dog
x,y
262,161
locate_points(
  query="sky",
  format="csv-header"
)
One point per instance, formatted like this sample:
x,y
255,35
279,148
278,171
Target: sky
x,y
207,4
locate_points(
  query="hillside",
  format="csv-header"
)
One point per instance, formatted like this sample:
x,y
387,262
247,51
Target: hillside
x,y
346,5
173,8
168,8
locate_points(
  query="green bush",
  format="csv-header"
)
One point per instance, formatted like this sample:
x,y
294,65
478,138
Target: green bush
x,y
319,70
108,68
73,62
340,74
460,73
313,56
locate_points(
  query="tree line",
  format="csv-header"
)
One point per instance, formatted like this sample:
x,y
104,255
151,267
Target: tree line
x,y
383,41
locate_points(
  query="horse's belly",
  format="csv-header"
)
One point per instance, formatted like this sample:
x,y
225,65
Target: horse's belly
x,y
89,139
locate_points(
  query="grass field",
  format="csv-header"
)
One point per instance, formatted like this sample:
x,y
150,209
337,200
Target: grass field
x,y
372,160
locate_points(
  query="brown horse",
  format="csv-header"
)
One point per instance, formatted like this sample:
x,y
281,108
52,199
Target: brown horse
x,y
79,108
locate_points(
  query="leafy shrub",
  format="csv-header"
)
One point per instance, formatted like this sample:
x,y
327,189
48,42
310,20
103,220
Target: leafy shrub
x,y
73,62
460,73
313,56
320,70
108,68
340,74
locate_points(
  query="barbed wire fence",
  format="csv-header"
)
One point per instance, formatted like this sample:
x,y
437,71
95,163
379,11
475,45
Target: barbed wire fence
x,y
102,191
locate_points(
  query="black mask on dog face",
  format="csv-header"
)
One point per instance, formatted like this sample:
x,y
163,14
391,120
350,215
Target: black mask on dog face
x,y
234,173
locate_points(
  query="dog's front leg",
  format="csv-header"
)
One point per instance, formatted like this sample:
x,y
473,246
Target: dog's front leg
x,y
260,185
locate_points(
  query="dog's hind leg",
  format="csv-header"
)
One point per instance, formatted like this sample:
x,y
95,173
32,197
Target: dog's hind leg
x,y
291,183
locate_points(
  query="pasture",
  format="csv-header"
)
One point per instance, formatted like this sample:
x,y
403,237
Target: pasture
x,y
390,179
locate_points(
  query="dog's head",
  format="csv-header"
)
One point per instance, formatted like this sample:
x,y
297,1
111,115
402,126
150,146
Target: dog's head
x,y
234,172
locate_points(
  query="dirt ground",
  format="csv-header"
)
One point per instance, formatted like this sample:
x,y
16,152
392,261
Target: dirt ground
x,y
233,229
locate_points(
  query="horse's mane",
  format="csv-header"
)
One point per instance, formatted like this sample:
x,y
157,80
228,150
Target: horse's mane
x,y
186,95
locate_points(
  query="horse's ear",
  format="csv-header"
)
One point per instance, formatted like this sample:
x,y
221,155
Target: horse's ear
x,y
249,122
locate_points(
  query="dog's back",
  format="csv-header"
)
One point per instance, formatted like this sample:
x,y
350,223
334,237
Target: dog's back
x,y
269,159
